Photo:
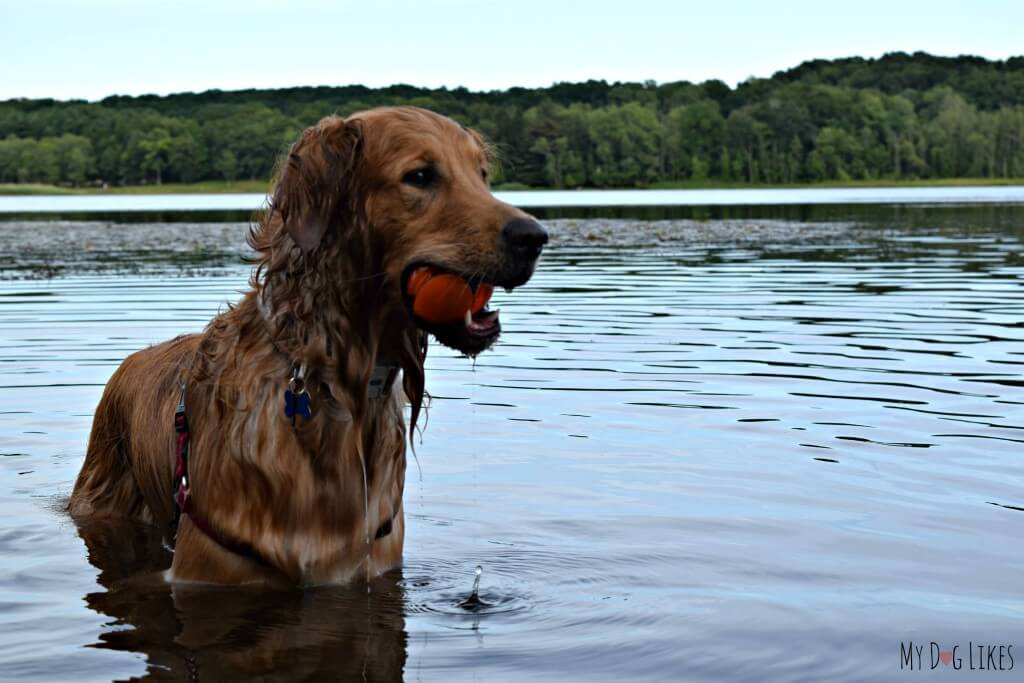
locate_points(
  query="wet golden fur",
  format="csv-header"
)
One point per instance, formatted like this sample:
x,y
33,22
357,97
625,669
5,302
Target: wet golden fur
x,y
326,292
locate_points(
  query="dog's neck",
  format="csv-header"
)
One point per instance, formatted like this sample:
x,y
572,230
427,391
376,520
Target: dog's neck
x,y
382,340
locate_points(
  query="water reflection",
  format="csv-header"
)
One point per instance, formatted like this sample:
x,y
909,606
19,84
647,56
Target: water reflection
x,y
203,633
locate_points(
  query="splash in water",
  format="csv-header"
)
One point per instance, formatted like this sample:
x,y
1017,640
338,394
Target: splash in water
x,y
473,602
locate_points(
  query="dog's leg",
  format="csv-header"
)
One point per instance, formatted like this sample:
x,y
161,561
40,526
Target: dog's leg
x,y
106,486
387,551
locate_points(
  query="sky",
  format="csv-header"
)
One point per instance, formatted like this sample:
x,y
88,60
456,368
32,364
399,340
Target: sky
x,y
89,49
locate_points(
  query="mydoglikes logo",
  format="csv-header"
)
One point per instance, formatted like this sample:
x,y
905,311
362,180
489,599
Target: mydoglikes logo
x,y
974,657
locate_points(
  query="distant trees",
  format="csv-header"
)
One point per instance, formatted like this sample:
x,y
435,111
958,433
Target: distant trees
x,y
68,158
901,116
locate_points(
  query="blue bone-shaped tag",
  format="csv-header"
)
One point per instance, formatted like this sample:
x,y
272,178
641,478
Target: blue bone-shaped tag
x,y
296,404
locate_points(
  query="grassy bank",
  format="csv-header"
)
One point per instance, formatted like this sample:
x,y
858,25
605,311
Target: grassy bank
x,y
34,188
207,187
245,186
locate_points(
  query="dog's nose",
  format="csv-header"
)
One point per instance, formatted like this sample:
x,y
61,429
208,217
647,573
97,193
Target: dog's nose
x,y
525,236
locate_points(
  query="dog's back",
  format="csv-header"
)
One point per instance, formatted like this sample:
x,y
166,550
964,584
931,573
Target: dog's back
x,y
136,412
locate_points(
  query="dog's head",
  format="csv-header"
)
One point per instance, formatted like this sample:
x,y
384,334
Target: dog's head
x,y
416,185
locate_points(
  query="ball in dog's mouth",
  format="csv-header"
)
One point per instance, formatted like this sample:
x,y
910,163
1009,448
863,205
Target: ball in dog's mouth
x,y
452,307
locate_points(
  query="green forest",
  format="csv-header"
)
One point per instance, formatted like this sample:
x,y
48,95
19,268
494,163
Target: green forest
x,y
902,116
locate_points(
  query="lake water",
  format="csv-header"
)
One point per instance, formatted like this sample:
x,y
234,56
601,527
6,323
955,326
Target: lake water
x,y
766,444
549,198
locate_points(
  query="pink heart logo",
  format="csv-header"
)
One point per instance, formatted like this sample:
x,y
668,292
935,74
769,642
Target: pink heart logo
x,y
946,656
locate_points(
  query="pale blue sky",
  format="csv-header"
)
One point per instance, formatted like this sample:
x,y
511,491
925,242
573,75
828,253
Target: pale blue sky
x,y
93,48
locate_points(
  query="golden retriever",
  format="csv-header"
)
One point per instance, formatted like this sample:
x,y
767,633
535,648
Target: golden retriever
x,y
293,462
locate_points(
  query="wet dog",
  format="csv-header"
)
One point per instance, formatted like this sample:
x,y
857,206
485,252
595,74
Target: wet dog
x,y
273,443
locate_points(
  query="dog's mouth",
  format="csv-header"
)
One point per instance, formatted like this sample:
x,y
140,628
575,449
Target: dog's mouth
x,y
451,306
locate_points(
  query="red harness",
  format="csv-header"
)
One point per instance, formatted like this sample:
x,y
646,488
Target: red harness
x,y
183,495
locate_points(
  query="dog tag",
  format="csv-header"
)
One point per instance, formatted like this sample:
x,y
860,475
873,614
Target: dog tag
x,y
296,398
297,404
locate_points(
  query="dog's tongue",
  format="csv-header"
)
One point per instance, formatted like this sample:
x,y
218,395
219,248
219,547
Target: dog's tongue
x,y
482,323
442,298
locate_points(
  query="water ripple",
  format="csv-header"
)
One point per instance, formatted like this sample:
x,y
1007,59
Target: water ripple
x,y
798,440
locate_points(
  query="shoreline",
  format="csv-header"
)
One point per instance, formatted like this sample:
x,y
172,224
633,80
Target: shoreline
x,y
256,186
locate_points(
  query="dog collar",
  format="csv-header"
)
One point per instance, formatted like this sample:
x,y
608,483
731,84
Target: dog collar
x,y
381,379
297,402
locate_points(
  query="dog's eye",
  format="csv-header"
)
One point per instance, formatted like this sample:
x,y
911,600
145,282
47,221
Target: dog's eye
x,y
420,177
484,174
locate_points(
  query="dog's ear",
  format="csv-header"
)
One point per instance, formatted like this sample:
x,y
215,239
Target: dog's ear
x,y
316,185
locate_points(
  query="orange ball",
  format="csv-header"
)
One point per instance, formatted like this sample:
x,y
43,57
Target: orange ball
x,y
443,297
482,296
419,278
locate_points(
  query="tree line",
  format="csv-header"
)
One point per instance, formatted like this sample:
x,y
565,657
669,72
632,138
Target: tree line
x,y
900,116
